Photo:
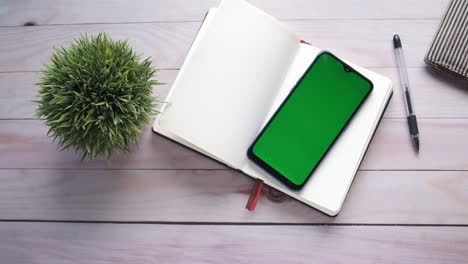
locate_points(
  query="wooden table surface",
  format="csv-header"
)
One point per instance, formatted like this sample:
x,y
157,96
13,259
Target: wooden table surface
x,y
163,203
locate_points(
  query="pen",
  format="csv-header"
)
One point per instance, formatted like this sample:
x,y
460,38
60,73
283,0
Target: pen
x,y
412,123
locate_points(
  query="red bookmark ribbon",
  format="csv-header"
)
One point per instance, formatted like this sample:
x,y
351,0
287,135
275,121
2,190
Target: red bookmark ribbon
x,y
254,195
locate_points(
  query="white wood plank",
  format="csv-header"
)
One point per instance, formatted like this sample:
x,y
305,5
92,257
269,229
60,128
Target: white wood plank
x,y
442,146
46,12
53,243
366,43
29,48
376,197
20,89
24,144
434,96
21,149
17,94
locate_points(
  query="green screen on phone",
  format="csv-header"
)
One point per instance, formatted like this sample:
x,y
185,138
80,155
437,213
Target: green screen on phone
x,y
307,123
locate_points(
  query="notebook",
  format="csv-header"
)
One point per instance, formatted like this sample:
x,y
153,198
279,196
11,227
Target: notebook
x,y
449,49
240,67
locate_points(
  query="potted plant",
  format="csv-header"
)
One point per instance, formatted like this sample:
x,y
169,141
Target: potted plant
x,y
96,96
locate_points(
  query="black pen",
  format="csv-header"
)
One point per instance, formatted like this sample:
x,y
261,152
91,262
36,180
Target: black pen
x,y
412,123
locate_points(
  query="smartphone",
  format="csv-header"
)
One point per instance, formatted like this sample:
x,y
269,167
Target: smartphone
x,y
310,119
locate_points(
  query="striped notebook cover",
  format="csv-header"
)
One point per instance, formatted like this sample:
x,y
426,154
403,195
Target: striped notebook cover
x,y
449,49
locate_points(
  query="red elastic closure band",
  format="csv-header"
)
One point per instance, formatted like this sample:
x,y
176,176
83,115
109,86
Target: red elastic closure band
x,y
254,195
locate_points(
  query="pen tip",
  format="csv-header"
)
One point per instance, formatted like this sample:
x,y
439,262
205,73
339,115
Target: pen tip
x,y
396,41
416,143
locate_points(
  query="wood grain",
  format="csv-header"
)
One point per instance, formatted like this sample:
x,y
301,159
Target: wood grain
x,y
366,43
19,90
24,144
430,197
46,12
434,96
440,139
109,243
29,48
197,205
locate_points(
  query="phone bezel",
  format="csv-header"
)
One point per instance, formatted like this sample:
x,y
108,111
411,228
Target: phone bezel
x,y
251,155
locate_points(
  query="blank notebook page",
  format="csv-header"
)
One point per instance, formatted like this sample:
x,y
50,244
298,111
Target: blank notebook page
x,y
230,82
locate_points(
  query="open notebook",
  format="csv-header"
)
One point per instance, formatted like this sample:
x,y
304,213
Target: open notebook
x,y
241,66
